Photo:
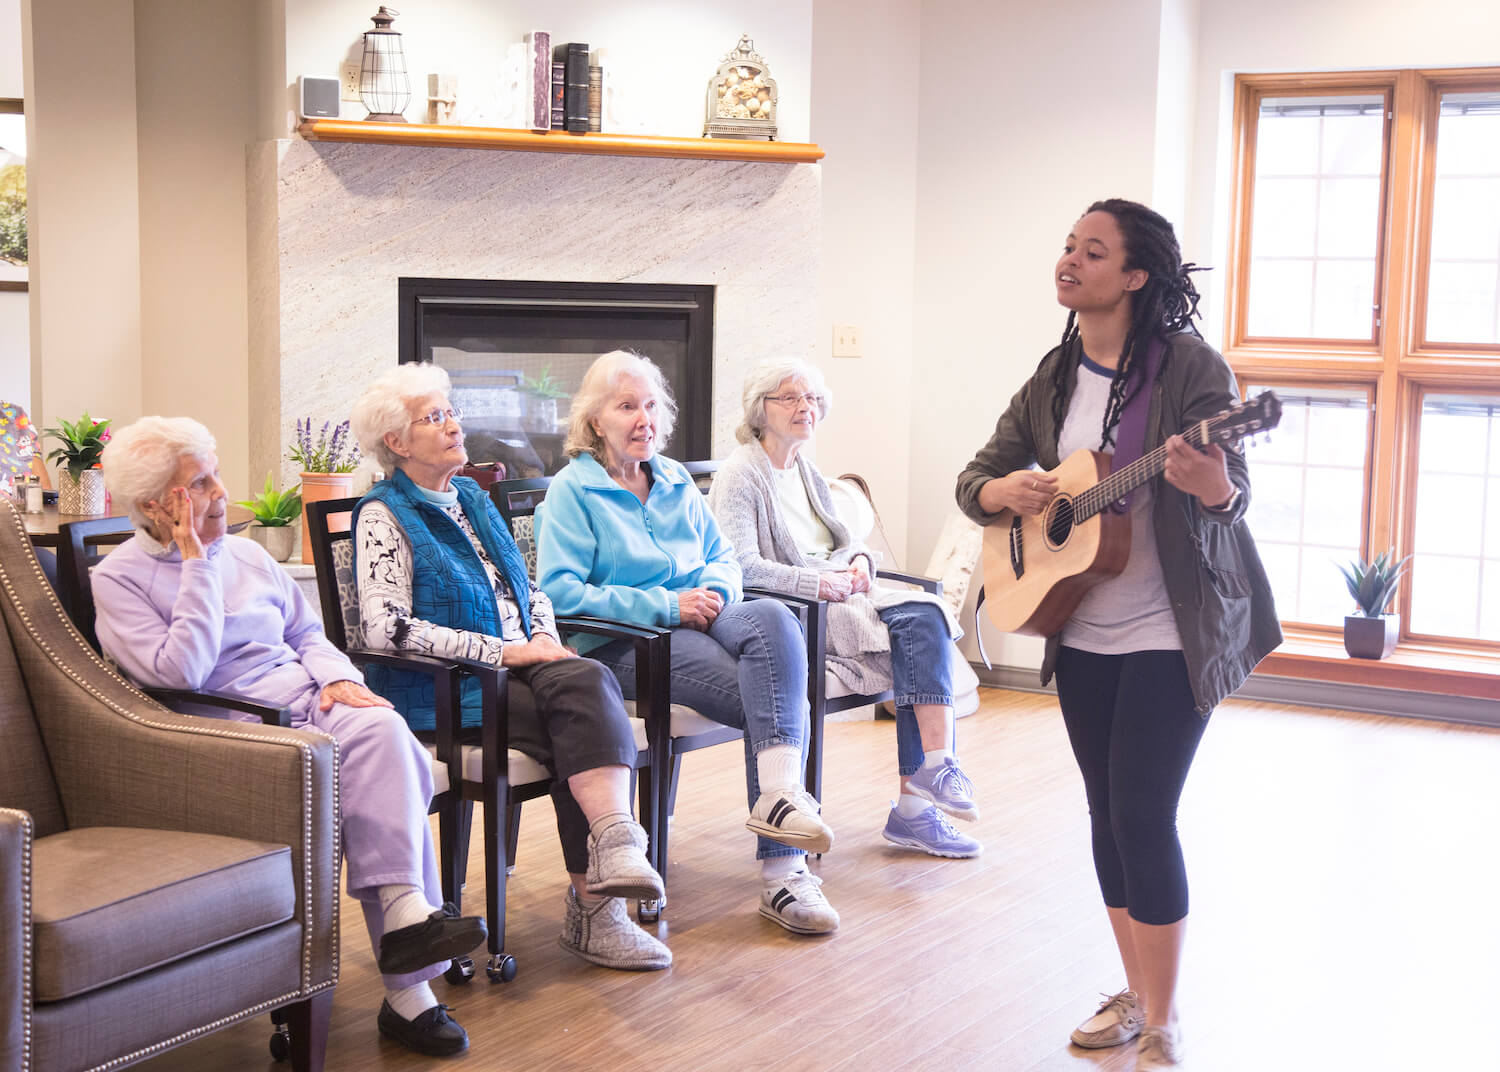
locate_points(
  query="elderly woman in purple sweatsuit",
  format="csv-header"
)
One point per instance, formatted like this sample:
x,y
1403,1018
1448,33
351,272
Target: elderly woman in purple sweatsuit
x,y
181,607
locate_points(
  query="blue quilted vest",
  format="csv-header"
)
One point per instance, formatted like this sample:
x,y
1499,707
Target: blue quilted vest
x,y
449,584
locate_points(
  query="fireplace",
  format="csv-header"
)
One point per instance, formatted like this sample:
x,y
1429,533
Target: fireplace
x,y
517,351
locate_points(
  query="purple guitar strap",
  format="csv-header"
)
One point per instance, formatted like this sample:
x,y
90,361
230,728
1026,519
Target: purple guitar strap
x,y
1130,433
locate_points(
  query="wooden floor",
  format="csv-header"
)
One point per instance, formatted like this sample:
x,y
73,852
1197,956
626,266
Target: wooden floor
x,y
1345,882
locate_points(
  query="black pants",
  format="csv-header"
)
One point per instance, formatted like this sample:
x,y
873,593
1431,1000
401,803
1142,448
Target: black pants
x,y
1134,730
569,715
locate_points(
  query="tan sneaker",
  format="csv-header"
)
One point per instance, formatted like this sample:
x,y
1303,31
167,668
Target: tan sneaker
x,y
1160,1049
606,935
1118,1021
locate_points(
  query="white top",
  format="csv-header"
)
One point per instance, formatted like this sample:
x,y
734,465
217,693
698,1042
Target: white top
x,y
1130,612
807,528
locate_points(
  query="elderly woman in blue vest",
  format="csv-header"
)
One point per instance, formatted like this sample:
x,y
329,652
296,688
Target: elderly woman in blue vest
x,y
625,534
439,574
775,507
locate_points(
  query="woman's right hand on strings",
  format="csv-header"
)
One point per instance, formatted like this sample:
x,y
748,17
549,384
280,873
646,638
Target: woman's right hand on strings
x,y
1026,491
698,607
835,585
174,518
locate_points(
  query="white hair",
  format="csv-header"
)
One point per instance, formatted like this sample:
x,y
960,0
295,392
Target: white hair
x,y
764,379
381,410
141,459
599,385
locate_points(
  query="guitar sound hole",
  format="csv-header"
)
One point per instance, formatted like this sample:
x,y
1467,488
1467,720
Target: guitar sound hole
x,y
1059,521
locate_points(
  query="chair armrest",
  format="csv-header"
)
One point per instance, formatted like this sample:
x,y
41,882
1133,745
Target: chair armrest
x,y
927,584
271,716
606,627
15,934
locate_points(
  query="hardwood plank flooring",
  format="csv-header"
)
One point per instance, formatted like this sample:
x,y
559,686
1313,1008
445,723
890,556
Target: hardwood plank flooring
x,y
1344,875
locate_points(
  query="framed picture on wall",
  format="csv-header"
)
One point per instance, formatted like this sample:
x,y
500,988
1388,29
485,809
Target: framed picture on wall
x,y
13,246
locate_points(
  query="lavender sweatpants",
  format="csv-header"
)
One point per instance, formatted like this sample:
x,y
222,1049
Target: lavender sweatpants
x,y
385,787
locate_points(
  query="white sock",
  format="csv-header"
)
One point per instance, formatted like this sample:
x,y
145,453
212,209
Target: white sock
x,y
935,759
909,806
775,868
403,906
779,767
411,1001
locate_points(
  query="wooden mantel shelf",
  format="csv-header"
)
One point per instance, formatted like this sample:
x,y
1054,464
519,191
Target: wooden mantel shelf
x,y
558,141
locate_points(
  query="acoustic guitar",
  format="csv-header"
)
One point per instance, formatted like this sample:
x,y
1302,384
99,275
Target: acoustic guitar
x,y
1038,569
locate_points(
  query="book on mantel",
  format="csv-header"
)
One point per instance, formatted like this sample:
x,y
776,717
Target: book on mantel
x,y
559,112
538,82
575,59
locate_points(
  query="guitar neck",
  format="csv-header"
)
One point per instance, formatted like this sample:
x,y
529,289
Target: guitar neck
x,y
1118,485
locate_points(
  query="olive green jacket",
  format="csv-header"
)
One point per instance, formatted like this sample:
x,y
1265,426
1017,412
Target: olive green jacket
x,y
1219,592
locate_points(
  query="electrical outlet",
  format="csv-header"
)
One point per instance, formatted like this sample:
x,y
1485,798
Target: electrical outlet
x,y
349,82
846,341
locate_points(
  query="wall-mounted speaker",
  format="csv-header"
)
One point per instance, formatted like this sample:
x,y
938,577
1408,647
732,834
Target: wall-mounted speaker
x,y
319,97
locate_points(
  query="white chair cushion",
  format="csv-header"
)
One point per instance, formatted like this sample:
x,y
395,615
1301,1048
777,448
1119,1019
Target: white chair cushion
x,y
522,769
685,723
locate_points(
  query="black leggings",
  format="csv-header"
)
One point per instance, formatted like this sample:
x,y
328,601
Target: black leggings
x,y
1134,730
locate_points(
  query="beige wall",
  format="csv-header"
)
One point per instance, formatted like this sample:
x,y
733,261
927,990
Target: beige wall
x,y
194,334
84,209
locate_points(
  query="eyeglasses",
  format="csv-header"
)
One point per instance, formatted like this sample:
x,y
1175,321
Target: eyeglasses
x,y
815,401
440,417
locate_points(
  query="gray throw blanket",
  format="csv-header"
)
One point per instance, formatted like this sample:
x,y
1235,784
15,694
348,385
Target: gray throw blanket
x,y
743,498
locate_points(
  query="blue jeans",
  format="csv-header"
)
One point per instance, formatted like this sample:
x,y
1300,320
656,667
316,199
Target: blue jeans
x,y
749,671
920,670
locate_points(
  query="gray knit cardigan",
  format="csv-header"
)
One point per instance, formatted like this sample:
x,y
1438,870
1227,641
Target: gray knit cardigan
x,y
743,499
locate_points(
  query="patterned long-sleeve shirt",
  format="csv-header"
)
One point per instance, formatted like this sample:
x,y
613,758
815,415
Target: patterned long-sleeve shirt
x,y
385,572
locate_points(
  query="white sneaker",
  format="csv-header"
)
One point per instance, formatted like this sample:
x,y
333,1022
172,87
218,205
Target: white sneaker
x,y
790,816
797,903
1118,1020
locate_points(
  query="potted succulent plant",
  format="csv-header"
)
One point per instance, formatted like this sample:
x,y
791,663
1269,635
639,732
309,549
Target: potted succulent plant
x,y
80,482
1372,633
275,512
542,393
327,466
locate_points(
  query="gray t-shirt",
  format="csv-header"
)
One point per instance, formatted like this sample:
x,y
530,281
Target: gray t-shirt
x,y
1130,612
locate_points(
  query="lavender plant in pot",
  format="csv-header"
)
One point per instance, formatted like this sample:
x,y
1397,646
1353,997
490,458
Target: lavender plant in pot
x,y
1372,633
328,465
275,514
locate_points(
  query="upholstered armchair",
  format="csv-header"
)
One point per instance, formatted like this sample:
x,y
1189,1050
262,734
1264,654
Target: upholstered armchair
x,y
161,875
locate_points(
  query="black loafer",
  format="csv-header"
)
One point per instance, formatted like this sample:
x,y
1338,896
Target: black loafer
x,y
433,1033
441,936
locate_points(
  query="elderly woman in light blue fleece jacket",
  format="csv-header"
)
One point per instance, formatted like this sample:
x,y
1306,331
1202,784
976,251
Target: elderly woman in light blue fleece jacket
x,y
182,607
624,533
776,508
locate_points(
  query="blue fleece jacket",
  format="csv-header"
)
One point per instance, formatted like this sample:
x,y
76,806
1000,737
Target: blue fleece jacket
x,y
602,552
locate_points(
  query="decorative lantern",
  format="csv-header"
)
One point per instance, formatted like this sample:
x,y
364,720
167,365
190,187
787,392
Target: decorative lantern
x,y
742,96
383,85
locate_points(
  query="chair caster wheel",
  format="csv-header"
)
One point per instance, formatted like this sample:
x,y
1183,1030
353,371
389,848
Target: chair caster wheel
x,y
649,911
461,970
501,968
281,1044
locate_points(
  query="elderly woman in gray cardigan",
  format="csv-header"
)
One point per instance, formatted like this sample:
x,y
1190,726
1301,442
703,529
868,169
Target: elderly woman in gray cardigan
x,y
774,507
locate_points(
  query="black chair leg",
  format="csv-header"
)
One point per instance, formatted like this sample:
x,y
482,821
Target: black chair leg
x,y
502,966
307,1022
512,834
455,822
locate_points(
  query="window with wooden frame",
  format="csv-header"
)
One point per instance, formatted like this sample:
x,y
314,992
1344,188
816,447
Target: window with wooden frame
x,y
1364,287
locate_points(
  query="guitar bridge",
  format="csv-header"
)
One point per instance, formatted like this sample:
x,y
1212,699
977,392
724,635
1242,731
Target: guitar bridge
x,y
1017,550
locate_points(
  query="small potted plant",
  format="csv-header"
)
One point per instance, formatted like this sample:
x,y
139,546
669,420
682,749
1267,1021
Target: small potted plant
x,y
274,511
327,466
1372,633
80,482
542,394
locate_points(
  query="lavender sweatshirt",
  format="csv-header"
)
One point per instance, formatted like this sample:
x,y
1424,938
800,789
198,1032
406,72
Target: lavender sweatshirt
x,y
232,621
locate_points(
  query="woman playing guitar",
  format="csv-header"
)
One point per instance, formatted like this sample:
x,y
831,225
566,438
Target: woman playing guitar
x,y
1152,647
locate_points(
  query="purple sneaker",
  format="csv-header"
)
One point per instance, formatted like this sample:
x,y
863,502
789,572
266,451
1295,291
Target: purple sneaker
x,y
930,832
948,787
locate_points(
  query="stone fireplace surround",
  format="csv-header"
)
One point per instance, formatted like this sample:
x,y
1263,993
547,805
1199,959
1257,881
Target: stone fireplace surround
x,y
333,226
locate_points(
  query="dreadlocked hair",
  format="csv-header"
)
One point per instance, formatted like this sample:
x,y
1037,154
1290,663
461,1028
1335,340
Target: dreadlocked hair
x,y
1165,305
